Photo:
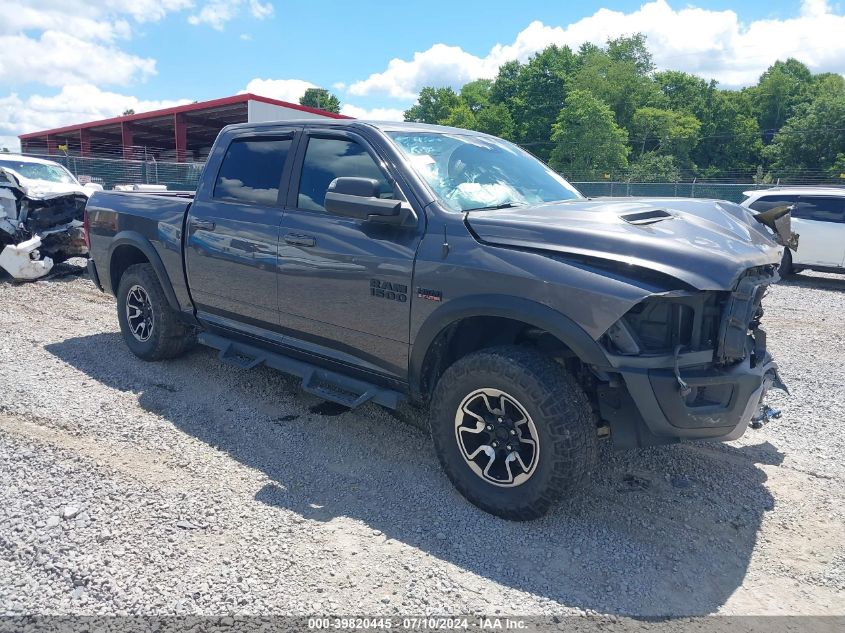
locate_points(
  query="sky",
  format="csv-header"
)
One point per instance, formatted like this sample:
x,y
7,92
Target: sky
x,y
70,61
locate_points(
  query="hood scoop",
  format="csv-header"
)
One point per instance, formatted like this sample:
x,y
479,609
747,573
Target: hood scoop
x,y
646,217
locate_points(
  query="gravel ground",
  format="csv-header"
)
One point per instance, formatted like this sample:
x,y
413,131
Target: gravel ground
x,y
191,487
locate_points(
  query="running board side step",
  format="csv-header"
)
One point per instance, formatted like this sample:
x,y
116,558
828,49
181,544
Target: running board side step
x,y
329,385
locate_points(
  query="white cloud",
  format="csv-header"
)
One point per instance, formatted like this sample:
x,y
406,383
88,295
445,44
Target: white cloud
x,y
59,42
74,103
57,58
439,65
140,10
260,10
216,13
376,114
283,89
711,44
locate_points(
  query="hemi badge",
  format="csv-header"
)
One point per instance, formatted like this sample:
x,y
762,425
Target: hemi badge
x,y
431,295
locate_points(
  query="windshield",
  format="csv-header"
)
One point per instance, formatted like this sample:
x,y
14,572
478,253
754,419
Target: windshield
x,y
38,171
470,172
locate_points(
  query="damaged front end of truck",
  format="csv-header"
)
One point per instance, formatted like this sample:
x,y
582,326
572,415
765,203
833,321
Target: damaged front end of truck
x,y
691,364
672,290
38,229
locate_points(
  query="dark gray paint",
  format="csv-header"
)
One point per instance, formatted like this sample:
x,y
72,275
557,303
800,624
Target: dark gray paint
x,y
572,269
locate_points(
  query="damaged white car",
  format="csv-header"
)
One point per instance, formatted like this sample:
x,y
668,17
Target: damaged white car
x,y
41,211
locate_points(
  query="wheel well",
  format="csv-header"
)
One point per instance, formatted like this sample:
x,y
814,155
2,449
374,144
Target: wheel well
x,y
122,258
475,333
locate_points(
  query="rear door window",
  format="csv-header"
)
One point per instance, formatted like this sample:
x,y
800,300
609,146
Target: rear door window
x,y
330,158
770,202
251,171
821,209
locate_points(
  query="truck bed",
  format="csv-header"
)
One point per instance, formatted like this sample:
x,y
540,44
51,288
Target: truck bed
x,y
157,217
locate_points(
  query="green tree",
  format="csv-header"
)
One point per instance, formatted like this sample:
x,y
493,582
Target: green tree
x,y
434,105
320,98
587,140
665,132
621,79
685,92
813,139
779,93
837,170
541,91
730,139
632,50
504,89
653,167
496,119
476,94
461,116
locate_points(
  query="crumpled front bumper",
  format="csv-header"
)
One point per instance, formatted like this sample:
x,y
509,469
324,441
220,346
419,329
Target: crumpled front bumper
x,y
719,406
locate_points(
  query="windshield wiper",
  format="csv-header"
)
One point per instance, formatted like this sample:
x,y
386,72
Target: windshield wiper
x,y
493,207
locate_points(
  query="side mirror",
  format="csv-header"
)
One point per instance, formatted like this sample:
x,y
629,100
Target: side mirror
x,y
358,198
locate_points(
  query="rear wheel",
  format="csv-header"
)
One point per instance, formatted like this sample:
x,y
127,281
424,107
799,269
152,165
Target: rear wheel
x,y
150,327
513,431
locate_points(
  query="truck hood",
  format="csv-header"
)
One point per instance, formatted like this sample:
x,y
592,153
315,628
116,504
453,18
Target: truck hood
x,y
706,244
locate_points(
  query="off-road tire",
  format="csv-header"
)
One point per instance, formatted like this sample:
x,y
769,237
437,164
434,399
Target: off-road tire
x,y
169,337
561,413
785,269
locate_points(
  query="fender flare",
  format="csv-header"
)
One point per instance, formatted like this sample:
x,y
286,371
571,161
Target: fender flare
x,y
138,241
507,306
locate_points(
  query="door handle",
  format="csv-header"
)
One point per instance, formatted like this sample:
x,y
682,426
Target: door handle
x,y
300,240
202,225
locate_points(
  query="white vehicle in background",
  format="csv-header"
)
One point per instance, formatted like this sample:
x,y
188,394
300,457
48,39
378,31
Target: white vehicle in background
x,y
42,206
43,178
818,216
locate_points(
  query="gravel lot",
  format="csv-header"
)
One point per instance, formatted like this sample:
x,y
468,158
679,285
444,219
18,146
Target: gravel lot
x,y
190,487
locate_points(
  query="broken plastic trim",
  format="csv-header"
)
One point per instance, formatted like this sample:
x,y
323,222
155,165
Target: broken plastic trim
x,y
22,261
779,220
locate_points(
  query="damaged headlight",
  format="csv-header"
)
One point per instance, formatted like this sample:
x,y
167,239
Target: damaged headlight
x,y
660,324
725,322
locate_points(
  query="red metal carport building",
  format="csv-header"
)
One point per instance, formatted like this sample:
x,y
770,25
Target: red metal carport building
x,y
182,133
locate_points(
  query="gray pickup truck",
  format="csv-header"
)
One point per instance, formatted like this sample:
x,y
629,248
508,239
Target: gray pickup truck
x,y
384,262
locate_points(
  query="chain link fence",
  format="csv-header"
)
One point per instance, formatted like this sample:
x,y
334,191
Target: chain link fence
x,y
731,191
114,171
185,176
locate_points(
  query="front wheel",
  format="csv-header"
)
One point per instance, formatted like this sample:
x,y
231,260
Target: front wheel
x,y
150,327
513,431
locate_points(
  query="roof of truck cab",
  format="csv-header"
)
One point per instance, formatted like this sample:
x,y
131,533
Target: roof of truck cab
x,y
385,126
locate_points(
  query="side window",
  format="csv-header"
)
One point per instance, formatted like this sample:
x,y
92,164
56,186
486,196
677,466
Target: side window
x,y
770,202
821,209
252,170
330,158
